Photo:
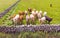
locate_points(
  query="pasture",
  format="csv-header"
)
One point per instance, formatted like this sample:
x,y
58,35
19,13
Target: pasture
x,y
43,5
31,35
5,4
23,5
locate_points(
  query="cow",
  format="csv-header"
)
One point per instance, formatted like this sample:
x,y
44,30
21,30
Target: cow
x,y
39,15
21,13
45,13
49,19
32,18
29,9
27,19
26,12
42,20
17,18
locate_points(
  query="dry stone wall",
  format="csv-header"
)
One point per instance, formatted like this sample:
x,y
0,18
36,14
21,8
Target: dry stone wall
x,y
8,9
29,28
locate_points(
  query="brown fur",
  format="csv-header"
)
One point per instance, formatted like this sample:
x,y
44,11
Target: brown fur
x,y
29,9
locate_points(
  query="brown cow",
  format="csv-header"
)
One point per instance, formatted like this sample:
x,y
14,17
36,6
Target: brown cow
x,y
29,9
17,18
12,16
21,13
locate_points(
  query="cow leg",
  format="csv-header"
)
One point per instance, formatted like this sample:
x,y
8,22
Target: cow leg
x,y
48,22
33,21
28,22
13,23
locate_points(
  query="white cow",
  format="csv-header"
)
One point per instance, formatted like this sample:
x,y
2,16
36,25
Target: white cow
x,y
32,12
31,16
15,19
39,14
45,13
36,12
27,19
42,20
26,12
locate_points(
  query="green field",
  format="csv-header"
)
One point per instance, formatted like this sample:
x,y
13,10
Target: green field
x,y
23,5
30,35
5,4
43,5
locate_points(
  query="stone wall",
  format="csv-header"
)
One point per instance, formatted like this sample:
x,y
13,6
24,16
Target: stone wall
x,y
29,28
8,9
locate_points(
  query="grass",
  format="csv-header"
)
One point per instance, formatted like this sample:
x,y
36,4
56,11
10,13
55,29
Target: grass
x,y
43,5
4,19
4,4
30,35
8,14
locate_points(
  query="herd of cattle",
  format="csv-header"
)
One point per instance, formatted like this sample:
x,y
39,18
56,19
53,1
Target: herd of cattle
x,y
31,15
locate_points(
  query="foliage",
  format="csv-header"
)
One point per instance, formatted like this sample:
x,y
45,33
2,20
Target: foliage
x,y
30,35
